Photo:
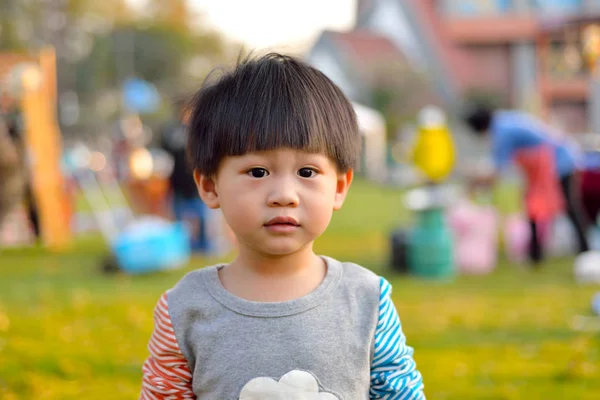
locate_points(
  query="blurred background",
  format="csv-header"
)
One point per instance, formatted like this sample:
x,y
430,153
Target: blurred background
x,y
99,214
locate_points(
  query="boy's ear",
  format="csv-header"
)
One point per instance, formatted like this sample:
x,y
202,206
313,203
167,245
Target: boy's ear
x,y
344,181
207,189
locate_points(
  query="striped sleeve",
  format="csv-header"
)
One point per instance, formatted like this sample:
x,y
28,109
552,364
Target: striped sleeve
x,y
165,374
393,370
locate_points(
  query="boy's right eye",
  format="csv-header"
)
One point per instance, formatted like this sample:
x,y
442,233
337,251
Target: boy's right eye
x,y
258,172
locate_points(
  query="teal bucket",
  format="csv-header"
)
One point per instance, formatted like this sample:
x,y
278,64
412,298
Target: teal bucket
x,y
431,246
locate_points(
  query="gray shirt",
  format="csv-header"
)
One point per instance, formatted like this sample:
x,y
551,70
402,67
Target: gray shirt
x,y
322,342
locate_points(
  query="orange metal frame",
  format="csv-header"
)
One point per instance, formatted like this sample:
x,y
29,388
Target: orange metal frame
x,y
43,142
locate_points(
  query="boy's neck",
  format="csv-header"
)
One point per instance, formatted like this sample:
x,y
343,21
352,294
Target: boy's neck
x,y
275,266
259,277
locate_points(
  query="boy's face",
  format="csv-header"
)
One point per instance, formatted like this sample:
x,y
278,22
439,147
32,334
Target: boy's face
x,y
278,201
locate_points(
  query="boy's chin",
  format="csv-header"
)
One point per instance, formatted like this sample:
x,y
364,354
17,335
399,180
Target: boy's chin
x,y
283,249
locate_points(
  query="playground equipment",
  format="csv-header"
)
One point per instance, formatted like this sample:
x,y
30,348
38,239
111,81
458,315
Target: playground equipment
x,y
428,248
475,229
430,242
30,82
434,152
399,240
138,244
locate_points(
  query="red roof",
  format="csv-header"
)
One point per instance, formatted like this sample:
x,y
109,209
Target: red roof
x,y
370,54
367,47
456,61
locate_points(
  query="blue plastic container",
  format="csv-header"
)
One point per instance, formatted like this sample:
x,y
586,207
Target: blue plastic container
x,y
431,246
165,246
430,242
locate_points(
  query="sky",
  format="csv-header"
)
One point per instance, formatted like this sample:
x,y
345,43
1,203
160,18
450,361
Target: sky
x,y
291,25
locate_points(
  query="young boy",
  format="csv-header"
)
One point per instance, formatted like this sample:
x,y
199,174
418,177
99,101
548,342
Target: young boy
x,y
273,144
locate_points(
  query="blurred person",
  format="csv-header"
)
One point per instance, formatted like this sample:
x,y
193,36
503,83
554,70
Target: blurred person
x,y
547,163
16,132
273,144
11,179
186,204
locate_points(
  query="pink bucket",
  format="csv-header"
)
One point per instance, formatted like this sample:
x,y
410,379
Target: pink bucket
x,y
475,230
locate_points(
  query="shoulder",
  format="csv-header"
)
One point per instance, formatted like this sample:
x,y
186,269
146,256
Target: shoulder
x,y
356,271
195,276
190,286
189,301
365,279
359,279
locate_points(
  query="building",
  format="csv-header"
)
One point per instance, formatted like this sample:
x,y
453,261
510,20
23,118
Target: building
x,y
526,53
362,61
349,59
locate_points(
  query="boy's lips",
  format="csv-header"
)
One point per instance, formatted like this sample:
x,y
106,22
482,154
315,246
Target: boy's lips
x,y
282,221
282,224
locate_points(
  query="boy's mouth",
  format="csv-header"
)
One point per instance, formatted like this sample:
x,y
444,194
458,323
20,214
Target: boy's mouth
x,y
282,225
289,221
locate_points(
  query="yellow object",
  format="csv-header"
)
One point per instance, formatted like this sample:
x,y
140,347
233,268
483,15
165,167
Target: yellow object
x,y
434,152
44,150
591,46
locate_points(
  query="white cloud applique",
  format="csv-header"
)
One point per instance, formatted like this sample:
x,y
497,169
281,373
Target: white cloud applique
x,y
295,385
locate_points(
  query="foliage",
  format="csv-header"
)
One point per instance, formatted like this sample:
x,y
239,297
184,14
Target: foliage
x,y
30,24
153,52
399,92
99,44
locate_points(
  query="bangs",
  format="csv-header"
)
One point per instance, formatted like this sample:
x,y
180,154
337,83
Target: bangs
x,y
270,103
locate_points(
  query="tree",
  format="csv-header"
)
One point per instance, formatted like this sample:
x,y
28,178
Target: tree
x,y
17,24
99,44
154,52
399,92
175,14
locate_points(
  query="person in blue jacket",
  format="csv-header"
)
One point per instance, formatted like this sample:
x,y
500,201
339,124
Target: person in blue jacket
x,y
544,158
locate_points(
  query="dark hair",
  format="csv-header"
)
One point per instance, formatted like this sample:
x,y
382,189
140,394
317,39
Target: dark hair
x,y
267,103
479,118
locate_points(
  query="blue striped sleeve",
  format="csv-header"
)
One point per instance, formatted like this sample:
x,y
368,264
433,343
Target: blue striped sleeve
x,y
393,371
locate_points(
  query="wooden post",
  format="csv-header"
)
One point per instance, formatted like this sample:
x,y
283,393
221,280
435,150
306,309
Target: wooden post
x,y
44,151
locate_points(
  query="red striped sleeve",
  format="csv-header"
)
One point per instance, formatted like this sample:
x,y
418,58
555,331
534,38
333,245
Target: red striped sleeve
x,y
166,374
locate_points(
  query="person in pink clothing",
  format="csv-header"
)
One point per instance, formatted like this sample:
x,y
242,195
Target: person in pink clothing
x,y
547,164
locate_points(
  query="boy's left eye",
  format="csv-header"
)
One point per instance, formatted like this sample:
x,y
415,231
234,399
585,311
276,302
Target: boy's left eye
x,y
306,172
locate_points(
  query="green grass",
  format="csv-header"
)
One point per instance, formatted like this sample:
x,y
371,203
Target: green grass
x,y
69,332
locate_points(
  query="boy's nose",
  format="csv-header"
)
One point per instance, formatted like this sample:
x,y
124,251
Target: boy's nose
x,y
283,195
